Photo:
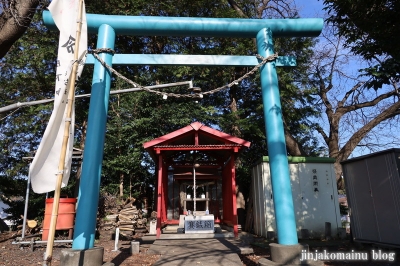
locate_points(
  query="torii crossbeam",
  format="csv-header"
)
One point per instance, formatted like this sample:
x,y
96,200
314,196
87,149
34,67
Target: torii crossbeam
x,y
108,26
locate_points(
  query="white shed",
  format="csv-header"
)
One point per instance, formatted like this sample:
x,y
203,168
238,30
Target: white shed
x,y
314,191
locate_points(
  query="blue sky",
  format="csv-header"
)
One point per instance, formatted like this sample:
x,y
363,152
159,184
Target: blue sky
x,y
310,8
381,137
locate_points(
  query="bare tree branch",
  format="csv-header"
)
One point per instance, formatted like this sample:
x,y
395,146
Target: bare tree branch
x,y
355,115
350,145
235,6
373,102
346,96
323,134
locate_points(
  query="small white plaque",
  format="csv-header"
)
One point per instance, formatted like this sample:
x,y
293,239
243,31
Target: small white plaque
x,y
199,224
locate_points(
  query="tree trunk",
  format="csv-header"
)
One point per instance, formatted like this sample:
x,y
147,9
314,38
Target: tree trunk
x,y
121,185
14,21
82,147
292,146
338,172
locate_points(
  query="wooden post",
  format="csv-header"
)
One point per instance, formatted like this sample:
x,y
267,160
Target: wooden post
x,y
207,199
71,95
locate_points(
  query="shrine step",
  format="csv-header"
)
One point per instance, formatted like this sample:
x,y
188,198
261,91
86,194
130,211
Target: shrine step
x,y
171,232
197,236
170,229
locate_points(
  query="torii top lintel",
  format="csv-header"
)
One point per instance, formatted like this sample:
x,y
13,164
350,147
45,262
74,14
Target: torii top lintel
x,y
201,27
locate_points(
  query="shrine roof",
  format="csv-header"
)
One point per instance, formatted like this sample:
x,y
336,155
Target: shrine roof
x,y
195,136
186,136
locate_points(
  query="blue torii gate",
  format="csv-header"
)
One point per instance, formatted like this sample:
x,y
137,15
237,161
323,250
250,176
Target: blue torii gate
x,y
107,26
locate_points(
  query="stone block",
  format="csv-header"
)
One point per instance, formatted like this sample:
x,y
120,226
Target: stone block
x,y
82,257
182,221
328,231
245,250
287,254
135,247
153,227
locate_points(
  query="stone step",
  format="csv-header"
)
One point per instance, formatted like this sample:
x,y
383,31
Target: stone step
x,y
175,232
197,236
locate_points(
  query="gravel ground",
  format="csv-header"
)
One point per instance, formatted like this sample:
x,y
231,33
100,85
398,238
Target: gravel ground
x,y
11,254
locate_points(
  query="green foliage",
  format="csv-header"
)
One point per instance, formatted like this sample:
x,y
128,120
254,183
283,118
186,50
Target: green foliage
x,y
371,29
25,76
28,73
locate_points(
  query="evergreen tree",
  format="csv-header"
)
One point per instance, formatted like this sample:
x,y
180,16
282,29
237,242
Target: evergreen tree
x,y
134,118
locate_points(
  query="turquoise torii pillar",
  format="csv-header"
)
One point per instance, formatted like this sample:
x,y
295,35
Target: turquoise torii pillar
x,y
107,26
282,192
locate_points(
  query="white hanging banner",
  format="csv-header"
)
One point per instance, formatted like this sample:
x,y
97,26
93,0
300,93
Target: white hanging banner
x,y
44,168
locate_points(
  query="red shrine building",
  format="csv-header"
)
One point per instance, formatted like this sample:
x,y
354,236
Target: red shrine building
x,y
196,174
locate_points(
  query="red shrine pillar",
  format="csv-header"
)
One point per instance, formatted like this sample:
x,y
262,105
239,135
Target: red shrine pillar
x,y
233,191
159,195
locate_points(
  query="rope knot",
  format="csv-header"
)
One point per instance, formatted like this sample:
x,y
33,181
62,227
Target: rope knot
x,y
102,50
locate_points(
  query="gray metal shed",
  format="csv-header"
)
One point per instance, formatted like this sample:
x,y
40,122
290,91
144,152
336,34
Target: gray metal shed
x,y
373,193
